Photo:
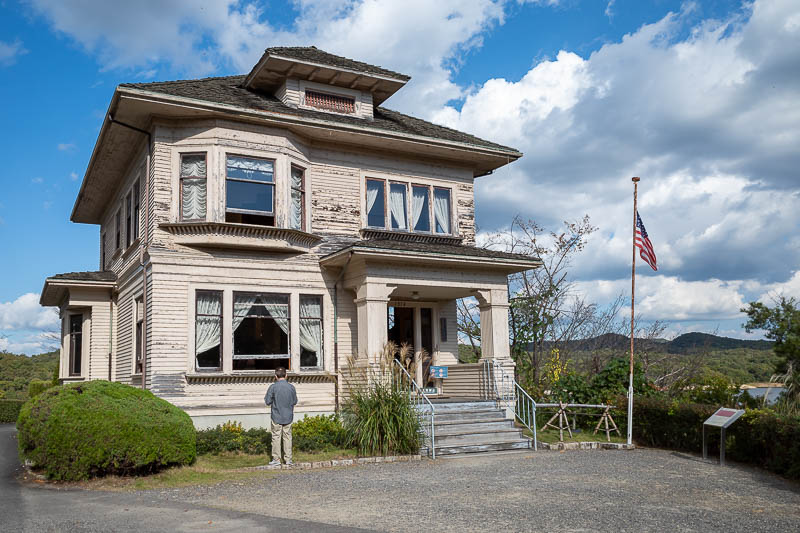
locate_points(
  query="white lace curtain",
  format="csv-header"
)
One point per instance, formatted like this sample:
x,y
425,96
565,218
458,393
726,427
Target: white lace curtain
x,y
296,210
419,197
193,187
311,325
397,204
275,305
207,328
441,210
373,187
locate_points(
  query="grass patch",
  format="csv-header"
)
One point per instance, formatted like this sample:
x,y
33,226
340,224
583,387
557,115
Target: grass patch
x,y
550,436
208,470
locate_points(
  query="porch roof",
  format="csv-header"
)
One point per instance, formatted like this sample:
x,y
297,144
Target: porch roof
x,y
56,287
397,250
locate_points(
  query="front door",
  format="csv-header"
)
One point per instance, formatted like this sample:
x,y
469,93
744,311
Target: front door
x,y
404,327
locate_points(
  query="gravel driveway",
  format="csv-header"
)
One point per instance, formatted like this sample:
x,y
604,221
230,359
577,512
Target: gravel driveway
x,y
641,490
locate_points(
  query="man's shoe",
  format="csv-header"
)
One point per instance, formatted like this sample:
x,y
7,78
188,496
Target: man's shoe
x,y
274,462
289,463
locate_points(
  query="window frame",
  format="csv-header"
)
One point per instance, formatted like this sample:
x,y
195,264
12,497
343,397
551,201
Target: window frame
x,y
137,208
385,202
221,317
71,345
272,184
129,219
118,229
321,353
405,206
181,178
429,189
302,190
138,334
449,210
288,354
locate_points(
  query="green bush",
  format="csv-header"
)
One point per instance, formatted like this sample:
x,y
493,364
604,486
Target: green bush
x,y
760,437
38,386
230,437
96,428
318,433
380,420
9,410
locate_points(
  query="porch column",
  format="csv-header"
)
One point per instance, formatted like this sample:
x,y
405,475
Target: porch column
x,y
372,305
493,304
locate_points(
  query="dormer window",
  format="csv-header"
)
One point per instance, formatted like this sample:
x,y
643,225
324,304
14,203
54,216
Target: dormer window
x,y
330,102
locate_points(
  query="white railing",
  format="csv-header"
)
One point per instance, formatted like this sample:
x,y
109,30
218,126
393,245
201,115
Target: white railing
x,y
422,404
505,390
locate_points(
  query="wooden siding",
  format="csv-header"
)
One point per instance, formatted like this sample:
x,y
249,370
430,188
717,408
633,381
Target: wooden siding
x,y
465,381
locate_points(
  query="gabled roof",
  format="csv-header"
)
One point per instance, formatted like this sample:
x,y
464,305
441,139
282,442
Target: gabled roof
x,y
98,275
228,90
57,287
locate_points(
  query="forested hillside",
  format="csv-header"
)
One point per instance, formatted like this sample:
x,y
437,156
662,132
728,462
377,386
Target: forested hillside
x,y
16,371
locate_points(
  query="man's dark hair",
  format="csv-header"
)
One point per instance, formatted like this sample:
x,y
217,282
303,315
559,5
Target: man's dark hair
x,y
280,372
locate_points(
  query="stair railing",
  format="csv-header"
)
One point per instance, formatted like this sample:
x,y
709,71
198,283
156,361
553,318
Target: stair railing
x,y
505,390
422,404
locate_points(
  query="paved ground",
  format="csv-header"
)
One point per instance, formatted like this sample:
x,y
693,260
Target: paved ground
x,y
642,490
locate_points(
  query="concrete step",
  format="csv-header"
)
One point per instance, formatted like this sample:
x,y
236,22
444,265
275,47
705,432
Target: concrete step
x,y
443,423
475,414
455,427
479,448
478,438
462,406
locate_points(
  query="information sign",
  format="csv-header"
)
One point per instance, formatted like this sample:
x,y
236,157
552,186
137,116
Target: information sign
x,y
722,419
438,371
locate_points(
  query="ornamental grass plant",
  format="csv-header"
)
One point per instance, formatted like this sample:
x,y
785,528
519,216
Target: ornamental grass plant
x,y
378,415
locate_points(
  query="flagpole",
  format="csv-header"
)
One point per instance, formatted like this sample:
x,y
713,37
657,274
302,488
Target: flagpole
x,y
633,292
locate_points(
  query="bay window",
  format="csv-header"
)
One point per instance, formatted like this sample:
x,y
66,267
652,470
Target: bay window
x,y
193,187
397,205
441,210
250,190
260,331
376,204
208,330
310,331
75,344
420,208
297,219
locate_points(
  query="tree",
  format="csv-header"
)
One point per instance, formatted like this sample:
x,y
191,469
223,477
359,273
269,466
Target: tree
x,y
781,324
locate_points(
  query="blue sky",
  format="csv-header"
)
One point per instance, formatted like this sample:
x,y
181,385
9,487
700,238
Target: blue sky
x,y
697,97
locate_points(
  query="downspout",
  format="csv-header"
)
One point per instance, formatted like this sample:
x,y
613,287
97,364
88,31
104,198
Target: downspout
x,y
336,331
144,240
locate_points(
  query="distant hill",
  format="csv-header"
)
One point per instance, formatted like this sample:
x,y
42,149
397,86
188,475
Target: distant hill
x,y
16,371
683,344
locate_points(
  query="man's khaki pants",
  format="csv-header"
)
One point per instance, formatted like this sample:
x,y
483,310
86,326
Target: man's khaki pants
x,y
281,432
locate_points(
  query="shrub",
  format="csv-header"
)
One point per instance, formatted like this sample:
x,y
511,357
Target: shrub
x,y
761,437
230,437
380,420
9,410
318,433
91,429
38,386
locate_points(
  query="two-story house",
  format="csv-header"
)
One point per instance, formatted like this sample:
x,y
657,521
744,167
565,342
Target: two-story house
x,y
281,218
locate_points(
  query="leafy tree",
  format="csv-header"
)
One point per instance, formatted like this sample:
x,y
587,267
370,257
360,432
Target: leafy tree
x,y
781,323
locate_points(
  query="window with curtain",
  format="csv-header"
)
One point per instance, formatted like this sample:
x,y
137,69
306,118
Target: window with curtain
x,y
376,204
310,331
129,219
136,210
260,331
118,229
193,187
441,210
250,190
296,209
398,206
208,330
420,208
75,344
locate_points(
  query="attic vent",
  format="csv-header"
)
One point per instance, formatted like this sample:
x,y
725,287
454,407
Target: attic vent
x,y
329,102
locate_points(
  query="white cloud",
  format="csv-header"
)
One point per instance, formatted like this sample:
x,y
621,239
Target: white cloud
x,y
9,52
65,147
73,176
37,180
25,313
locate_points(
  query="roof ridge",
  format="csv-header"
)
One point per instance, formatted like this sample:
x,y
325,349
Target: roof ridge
x,y
193,80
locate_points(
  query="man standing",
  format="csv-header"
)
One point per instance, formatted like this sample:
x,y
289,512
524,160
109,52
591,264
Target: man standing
x,y
281,398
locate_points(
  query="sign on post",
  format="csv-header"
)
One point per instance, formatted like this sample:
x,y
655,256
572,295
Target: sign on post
x,y
721,419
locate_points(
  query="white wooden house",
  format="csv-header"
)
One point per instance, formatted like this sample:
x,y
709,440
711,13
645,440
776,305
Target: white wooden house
x,y
282,218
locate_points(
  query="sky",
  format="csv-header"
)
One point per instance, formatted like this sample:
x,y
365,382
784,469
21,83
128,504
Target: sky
x,y
700,99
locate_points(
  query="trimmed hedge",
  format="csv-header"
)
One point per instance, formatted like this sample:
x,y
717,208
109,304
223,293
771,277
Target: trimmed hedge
x,y
760,437
96,428
9,410
311,434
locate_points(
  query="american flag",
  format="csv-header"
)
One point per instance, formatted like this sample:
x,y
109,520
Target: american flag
x,y
643,243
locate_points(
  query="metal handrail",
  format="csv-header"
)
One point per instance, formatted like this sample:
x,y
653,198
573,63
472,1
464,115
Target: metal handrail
x,y
512,395
419,399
